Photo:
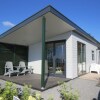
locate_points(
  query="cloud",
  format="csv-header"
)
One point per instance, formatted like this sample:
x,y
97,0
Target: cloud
x,y
8,24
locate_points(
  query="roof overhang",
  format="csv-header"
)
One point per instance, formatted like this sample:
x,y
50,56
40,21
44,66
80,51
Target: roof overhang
x,y
30,30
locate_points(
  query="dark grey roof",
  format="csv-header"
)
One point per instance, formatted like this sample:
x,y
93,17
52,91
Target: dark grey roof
x,y
56,13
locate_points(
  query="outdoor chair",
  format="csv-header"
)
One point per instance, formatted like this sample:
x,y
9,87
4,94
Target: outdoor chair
x,y
95,67
25,68
9,69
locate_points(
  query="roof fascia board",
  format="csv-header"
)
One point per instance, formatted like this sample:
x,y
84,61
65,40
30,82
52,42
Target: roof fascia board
x,y
28,20
97,44
76,31
77,28
56,13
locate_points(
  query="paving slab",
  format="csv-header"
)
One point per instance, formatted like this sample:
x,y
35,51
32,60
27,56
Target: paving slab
x,y
88,89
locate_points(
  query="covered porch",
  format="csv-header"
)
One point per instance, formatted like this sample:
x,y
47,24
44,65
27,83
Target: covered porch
x,y
33,33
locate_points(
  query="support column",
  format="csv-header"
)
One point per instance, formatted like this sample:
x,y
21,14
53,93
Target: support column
x,y
43,53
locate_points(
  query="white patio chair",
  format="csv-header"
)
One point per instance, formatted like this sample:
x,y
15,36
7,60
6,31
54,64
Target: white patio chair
x,y
95,67
24,68
9,69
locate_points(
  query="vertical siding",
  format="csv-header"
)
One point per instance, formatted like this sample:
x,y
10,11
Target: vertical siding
x,y
34,58
69,61
98,57
71,53
89,47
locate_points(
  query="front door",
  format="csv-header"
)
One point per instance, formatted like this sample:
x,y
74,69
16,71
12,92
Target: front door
x,y
56,58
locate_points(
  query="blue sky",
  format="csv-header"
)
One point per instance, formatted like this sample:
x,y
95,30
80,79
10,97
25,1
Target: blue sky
x,y
85,13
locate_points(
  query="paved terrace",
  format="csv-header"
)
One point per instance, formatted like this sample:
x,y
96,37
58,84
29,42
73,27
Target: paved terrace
x,y
88,88
34,80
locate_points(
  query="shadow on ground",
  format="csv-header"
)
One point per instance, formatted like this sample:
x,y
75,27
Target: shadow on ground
x,y
98,97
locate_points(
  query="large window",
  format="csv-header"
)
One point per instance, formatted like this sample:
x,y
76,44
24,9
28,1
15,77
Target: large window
x,y
81,49
56,56
14,53
93,55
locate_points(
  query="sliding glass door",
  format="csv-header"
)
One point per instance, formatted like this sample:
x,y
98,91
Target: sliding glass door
x,y
59,58
50,58
56,58
14,53
81,58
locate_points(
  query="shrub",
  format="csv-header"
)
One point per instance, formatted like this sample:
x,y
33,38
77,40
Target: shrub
x,y
9,91
67,93
26,92
37,95
50,98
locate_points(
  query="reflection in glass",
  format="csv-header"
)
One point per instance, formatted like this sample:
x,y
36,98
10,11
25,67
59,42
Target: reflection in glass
x,y
56,57
81,58
50,57
59,58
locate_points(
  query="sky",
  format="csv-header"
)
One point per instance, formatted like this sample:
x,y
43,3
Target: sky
x,y
84,13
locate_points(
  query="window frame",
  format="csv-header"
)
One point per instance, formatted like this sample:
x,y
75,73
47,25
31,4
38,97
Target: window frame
x,y
93,55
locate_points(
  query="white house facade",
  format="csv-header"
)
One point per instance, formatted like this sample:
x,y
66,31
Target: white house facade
x,y
73,68
50,43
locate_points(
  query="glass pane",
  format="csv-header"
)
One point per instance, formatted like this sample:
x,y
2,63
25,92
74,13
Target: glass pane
x,y
59,58
81,58
12,53
79,53
50,57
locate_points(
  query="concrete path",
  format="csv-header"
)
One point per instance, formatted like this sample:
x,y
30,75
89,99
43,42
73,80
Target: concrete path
x,y
91,76
87,89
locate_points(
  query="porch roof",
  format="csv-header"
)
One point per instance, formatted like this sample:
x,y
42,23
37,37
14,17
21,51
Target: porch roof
x,y
30,30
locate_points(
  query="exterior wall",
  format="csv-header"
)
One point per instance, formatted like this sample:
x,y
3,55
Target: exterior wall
x,y
69,64
34,57
89,47
98,56
35,52
60,37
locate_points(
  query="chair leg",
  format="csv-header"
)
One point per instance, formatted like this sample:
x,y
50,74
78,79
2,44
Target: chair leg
x,y
18,74
9,74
